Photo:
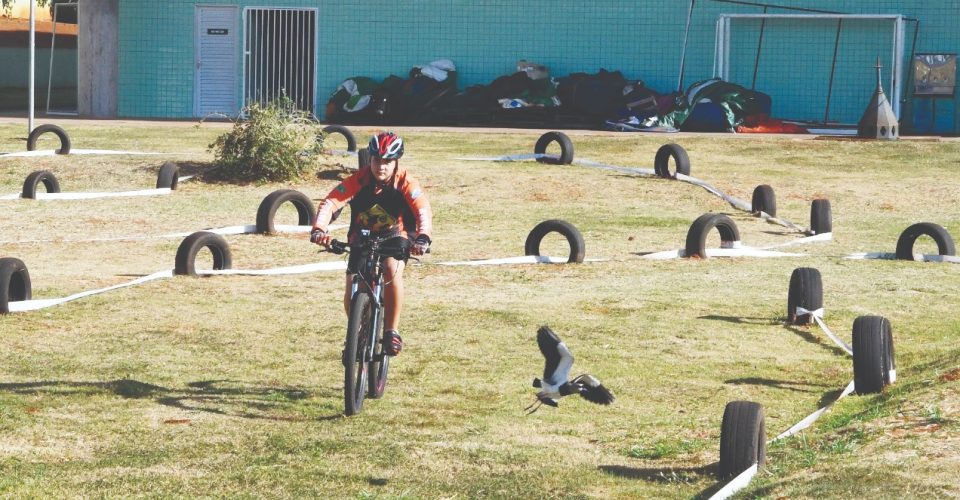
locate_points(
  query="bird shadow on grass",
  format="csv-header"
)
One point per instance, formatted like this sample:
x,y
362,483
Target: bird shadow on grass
x,y
221,397
668,475
780,384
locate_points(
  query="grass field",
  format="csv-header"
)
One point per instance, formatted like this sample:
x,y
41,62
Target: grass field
x,y
232,385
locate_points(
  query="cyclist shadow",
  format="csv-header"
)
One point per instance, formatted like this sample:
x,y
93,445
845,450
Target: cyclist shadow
x,y
221,397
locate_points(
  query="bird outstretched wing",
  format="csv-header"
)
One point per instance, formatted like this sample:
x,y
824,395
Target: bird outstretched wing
x,y
559,360
592,390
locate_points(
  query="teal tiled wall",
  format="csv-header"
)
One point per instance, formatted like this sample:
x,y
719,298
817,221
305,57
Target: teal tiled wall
x,y
643,39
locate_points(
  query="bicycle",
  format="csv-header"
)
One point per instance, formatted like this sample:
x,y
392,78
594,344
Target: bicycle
x,y
363,350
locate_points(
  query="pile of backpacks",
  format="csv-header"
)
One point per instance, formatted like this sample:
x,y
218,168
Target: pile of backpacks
x,y
531,96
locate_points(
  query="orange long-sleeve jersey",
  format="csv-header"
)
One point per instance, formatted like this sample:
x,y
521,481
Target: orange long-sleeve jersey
x,y
400,206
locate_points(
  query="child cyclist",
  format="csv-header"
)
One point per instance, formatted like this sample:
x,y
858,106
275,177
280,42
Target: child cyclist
x,y
385,199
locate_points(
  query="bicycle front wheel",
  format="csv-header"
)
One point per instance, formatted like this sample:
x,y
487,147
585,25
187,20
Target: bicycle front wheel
x,y
380,364
354,366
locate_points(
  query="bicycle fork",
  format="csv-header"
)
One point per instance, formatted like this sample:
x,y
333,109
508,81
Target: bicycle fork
x,y
376,319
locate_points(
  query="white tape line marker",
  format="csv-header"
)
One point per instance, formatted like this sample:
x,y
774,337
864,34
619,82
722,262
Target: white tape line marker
x,y
32,305
722,252
52,152
616,168
800,241
521,157
526,259
810,419
735,202
818,317
953,259
85,195
229,230
736,484
301,269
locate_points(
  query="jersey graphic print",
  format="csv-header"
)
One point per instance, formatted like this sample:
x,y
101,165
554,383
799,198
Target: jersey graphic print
x,y
376,219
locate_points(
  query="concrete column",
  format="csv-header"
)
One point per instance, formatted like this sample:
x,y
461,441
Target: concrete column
x,y
97,55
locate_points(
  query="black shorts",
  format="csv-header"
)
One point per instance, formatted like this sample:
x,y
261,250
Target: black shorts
x,y
357,259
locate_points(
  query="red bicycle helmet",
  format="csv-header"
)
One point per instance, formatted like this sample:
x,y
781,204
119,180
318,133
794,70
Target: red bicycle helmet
x,y
386,145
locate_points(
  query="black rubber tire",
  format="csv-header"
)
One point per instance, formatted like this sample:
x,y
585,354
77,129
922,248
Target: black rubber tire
x,y
379,368
363,158
345,132
821,217
568,230
191,245
661,162
872,357
43,129
34,179
354,368
566,148
806,290
306,211
169,176
909,236
14,283
764,200
697,235
889,376
743,438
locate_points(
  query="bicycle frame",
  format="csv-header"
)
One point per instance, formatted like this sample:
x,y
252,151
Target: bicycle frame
x,y
365,363
371,278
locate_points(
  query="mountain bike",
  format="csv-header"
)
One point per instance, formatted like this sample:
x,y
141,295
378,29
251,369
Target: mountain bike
x,y
365,364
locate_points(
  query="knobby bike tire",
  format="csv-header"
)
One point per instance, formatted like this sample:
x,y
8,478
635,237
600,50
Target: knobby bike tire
x,y
380,365
354,367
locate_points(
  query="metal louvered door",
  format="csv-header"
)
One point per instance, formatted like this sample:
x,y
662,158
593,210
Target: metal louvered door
x,y
280,56
216,74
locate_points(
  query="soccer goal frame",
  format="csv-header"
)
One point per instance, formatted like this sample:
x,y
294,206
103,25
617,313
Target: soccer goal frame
x,y
723,41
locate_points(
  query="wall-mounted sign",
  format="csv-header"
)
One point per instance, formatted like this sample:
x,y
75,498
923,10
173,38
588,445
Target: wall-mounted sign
x,y
217,31
934,75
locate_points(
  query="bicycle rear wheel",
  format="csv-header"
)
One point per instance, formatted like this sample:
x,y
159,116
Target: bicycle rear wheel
x,y
354,366
380,364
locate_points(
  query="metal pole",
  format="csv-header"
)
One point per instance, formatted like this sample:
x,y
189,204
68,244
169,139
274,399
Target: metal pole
x,y
683,50
756,60
33,30
53,42
833,68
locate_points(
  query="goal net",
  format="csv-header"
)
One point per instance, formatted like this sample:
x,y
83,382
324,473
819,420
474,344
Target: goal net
x,y
817,68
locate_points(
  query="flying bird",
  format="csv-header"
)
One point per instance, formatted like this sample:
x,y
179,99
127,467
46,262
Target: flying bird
x,y
556,371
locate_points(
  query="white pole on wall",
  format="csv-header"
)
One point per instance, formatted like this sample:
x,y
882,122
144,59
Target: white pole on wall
x,y
33,30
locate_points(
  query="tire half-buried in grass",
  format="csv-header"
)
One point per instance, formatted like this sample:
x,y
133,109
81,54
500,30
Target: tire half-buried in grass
x,y
821,217
568,230
661,161
14,283
187,252
54,129
764,200
697,234
169,176
34,179
908,238
345,132
806,291
743,438
566,148
873,363
267,210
